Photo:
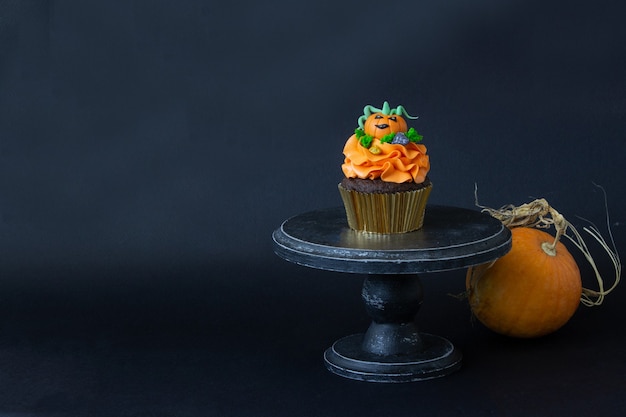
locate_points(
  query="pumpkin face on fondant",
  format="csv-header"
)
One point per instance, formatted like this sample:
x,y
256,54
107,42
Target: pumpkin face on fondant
x,y
378,124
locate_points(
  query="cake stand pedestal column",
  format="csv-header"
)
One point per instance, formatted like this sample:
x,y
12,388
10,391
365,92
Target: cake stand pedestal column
x,y
392,349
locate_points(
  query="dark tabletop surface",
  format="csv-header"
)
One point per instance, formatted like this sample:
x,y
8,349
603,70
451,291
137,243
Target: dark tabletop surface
x,y
248,341
148,150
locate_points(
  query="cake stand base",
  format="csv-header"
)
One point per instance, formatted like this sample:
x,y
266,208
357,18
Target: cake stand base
x,y
438,358
392,349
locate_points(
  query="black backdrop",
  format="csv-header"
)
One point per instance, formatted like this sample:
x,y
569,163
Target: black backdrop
x,y
149,148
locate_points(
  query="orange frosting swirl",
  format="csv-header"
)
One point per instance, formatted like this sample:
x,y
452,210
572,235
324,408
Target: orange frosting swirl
x,y
394,163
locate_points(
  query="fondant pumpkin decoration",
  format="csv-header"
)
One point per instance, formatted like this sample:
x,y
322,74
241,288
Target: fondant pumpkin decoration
x,y
386,125
381,122
378,124
535,288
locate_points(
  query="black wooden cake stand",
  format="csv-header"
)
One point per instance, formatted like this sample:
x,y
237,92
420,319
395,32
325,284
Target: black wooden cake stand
x,y
392,349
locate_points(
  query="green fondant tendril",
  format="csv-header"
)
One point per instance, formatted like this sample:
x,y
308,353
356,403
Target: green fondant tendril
x,y
369,110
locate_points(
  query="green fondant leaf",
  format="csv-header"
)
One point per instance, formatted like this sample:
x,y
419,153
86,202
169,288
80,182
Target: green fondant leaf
x,y
366,141
388,138
413,135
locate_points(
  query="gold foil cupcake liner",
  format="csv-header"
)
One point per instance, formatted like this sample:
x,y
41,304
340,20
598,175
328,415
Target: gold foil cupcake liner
x,y
385,213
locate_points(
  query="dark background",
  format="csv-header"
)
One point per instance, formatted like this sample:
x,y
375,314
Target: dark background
x,y
148,149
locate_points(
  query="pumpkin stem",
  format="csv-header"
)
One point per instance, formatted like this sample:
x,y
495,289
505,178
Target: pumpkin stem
x,y
386,109
540,214
549,248
560,225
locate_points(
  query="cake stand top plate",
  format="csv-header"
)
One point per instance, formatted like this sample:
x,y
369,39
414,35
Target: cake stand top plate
x,y
451,238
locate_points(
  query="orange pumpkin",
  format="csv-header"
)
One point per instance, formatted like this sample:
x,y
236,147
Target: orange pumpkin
x,y
379,124
531,291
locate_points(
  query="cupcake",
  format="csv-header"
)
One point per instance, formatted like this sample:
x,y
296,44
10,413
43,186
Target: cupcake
x,y
386,187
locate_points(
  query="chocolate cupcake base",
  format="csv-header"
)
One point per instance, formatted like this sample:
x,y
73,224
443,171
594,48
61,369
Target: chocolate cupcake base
x,y
385,212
